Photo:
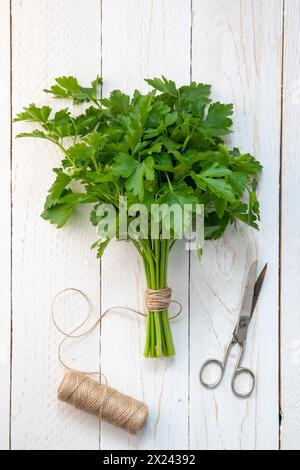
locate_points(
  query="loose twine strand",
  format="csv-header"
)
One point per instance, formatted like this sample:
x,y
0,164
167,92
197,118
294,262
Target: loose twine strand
x,y
79,389
155,301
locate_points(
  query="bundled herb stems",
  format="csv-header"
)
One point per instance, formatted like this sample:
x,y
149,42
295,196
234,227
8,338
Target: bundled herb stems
x,y
159,341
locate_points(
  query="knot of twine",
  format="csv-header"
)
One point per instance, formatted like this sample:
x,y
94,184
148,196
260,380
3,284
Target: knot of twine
x,y
158,300
78,389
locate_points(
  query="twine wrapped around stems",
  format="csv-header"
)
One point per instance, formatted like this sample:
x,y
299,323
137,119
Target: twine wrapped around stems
x,y
158,300
80,390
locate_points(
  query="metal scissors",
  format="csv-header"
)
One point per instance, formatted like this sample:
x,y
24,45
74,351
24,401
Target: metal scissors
x,y
251,294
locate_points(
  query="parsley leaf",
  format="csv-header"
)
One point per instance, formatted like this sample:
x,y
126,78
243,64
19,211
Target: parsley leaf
x,y
68,87
164,85
34,114
218,121
135,172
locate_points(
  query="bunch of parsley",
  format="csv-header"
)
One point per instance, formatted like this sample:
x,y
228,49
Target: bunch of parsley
x,y
165,147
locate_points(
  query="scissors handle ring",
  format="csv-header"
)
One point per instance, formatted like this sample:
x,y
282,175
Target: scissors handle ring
x,y
240,371
204,366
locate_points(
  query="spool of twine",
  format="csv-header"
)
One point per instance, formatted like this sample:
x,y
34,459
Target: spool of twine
x,y
102,401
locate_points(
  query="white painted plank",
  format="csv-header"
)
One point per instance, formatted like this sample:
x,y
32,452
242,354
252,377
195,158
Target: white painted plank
x,y
290,271
50,39
5,223
237,48
141,39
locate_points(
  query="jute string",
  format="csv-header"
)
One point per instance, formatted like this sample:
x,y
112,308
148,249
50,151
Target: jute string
x,y
80,390
159,300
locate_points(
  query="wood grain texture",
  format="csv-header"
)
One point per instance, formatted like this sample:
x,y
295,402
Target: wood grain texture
x,y
5,249
290,271
141,39
237,48
50,39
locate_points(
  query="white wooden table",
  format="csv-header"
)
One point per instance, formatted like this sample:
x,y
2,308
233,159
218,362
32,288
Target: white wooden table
x,y
249,50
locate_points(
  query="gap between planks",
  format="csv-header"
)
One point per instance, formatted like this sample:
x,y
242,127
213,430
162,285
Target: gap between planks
x,y
189,262
100,264
280,228
11,216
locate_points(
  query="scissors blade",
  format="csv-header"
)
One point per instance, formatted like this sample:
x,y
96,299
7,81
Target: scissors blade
x,y
257,287
240,331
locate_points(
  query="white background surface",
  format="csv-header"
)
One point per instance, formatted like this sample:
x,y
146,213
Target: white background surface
x,y
249,51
